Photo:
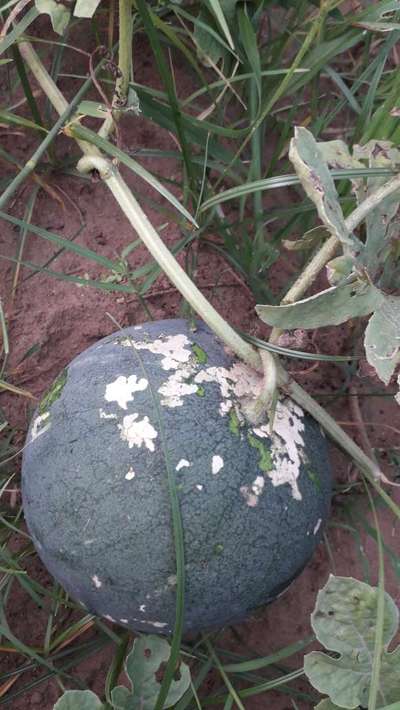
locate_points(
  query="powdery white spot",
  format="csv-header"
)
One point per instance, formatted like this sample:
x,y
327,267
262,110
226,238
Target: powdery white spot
x,y
131,474
287,444
156,624
142,608
183,463
199,486
239,380
172,580
96,581
89,542
258,485
225,407
175,388
172,347
317,526
38,429
109,618
252,493
216,464
124,621
138,431
103,415
122,389
250,498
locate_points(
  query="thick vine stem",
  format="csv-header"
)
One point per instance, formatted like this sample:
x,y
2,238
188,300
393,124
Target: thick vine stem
x,y
93,160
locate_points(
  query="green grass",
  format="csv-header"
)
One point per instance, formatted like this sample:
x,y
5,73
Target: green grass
x,y
255,70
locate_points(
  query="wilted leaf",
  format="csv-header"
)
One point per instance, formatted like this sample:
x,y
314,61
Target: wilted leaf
x,y
314,175
86,8
59,14
382,338
331,307
344,621
377,154
79,700
337,155
143,666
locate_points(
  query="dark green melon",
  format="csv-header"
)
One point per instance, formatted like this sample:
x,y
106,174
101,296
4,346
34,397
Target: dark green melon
x,y
95,486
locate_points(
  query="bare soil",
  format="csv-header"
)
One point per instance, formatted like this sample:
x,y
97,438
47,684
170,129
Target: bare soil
x,y
62,319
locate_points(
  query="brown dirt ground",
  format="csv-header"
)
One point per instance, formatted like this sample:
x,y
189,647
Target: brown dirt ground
x,y
63,319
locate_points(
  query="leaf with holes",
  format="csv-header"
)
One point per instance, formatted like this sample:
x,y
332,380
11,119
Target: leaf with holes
x,y
382,338
144,667
313,172
334,306
86,8
59,14
344,621
79,700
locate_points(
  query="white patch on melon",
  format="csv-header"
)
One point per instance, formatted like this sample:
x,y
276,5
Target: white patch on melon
x,y
183,463
199,486
38,429
97,583
317,526
287,444
175,388
103,415
142,608
216,464
225,407
173,348
252,493
131,474
250,498
239,381
122,389
138,431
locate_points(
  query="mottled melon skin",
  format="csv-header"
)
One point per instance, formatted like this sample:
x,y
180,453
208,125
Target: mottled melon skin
x,y
106,535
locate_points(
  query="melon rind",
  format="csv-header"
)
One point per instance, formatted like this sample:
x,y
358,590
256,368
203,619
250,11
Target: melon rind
x,y
95,488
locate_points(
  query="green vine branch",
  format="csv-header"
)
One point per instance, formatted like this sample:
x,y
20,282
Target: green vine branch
x,y
93,160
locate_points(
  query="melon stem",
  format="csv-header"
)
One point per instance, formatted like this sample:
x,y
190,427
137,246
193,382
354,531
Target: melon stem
x,y
94,161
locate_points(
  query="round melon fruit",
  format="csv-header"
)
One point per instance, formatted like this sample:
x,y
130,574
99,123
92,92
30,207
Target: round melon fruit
x,y
95,489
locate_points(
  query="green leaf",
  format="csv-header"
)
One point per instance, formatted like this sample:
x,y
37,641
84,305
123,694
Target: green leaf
x,y
216,8
147,659
94,109
326,704
14,119
249,41
78,700
382,338
18,30
314,175
86,8
331,307
59,14
344,621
